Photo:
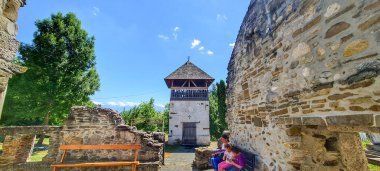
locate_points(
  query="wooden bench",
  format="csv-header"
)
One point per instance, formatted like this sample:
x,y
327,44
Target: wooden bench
x,y
250,161
134,163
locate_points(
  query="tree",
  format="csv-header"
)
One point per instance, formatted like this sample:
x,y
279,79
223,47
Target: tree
x,y
145,117
165,114
218,109
61,73
222,107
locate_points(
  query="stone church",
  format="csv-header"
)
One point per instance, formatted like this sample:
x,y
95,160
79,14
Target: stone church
x,y
189,105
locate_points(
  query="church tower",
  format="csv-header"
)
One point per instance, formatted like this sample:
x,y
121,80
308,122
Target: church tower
x,y
189,122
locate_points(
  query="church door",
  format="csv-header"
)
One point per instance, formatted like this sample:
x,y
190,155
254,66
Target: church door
x,y
189,135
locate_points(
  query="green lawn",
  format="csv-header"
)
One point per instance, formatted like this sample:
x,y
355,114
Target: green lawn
x,y
45,142
373,167
37,156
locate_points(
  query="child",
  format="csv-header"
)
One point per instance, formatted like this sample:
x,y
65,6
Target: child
x,y
238,160
226,157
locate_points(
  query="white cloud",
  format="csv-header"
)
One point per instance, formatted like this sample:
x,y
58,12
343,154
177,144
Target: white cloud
x,y
120,103
123,104
163,37
201,48
97,103
221,18
175,32
95,11
231,44
195,43
209,52
160,105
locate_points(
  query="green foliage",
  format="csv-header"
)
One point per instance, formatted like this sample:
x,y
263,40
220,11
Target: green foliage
x,y
373,167
61,73
145,117
218,109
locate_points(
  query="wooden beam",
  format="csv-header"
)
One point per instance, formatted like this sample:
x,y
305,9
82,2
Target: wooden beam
x,y
189,88
100,147
184,83
63,156
96,164
194,83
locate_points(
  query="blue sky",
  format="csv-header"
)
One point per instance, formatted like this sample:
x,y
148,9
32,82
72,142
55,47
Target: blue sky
x,y
139,42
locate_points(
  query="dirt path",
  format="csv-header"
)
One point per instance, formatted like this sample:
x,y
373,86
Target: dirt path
x,y
180,159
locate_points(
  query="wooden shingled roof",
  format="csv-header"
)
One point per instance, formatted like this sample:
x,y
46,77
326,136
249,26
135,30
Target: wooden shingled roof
x,y
189,71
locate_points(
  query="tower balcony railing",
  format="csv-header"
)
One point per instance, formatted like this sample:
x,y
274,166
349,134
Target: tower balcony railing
x,y
184,94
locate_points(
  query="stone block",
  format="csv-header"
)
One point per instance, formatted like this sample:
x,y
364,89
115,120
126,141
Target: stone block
x,y
336,29
351,120
355,47
313,121
341,12
369,23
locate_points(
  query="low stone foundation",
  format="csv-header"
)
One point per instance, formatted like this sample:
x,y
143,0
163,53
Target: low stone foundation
x,y
203,156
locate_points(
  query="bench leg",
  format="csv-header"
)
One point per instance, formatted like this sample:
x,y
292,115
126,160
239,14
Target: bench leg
x,y
133,167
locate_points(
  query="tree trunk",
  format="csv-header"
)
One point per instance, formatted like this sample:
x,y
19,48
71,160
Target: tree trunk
x,y
42,137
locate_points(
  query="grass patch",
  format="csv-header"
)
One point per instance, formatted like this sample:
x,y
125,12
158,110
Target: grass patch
x,y
365,143
37,156
373,167
45,141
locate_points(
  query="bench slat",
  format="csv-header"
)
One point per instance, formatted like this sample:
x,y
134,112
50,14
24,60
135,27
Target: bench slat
x,y
98,164
100,147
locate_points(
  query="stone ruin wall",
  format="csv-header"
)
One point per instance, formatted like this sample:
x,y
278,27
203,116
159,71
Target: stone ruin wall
x,y
105,126
83,126
8,44
303,79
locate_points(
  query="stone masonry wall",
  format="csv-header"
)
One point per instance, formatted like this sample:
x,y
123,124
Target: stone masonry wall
x,y
8,43
83,126
17,148
19,142
105,126
304,74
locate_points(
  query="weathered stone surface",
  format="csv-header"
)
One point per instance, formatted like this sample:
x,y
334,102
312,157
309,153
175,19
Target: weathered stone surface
x,y
8,46
355,47
341,12
11,9
354,120
349,145
336,29
332,9
18,148
375,108
372,6
325,78
203,157
369,23
308,26
313,121
301,50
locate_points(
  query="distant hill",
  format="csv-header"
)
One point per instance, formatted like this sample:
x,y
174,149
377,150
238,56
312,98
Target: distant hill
x,y
121,108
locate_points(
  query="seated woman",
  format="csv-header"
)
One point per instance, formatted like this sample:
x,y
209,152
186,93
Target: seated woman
x,y
217,157
238,161
227,157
